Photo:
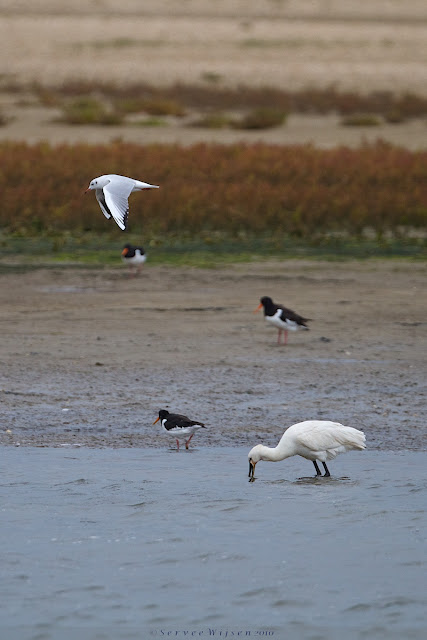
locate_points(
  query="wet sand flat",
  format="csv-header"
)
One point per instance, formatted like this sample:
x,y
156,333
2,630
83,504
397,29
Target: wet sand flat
x,y
90,356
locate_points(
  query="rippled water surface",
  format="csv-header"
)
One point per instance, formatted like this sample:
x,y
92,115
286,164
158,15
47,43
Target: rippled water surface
x,y
134,543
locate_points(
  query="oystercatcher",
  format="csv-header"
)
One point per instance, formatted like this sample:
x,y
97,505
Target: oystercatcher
x,y
133,257
112,192
178,426
282,318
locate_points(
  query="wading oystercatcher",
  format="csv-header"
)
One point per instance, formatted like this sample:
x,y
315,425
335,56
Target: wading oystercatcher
x,y
178,426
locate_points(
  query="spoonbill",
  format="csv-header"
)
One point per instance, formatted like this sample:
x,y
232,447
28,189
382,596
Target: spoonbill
x,y
313,439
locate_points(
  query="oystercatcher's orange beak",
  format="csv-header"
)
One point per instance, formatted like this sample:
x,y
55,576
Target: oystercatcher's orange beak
x,y
156,420
259,307
124,253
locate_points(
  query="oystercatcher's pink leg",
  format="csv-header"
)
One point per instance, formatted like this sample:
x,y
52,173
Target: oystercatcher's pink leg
x,y
286,337
278,336
177,443
186,444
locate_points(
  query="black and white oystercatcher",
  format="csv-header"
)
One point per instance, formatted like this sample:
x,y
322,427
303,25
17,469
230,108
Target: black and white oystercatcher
x,y
133,257
178,426
112,192
281,317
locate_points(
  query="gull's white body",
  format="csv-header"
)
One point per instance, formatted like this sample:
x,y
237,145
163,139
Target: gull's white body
x,y
313,439
112,192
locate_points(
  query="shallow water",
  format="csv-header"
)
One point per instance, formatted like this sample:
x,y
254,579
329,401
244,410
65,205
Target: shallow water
x,y
133,543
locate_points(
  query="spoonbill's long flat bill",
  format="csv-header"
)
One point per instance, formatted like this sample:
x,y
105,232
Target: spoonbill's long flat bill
x,y
112,192
313,439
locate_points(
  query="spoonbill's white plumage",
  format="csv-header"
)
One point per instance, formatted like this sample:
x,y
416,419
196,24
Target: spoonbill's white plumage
x,y
313,439
112,192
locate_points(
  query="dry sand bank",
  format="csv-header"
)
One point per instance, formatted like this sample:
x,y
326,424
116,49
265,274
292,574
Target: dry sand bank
x,y
271,44
380,45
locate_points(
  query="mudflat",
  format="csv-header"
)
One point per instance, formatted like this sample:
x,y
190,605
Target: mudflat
x,y
90,356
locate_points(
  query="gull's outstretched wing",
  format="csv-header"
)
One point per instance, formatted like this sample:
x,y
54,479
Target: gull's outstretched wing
x,y
100,197
116,195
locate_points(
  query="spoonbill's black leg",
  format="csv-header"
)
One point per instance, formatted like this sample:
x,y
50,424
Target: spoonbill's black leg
x,y
327,474
317,468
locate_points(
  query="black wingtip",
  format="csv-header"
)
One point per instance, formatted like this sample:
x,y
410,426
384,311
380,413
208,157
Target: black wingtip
x,y
125,220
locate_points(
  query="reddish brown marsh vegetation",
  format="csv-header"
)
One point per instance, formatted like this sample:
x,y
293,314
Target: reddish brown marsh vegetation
x,y
298,190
